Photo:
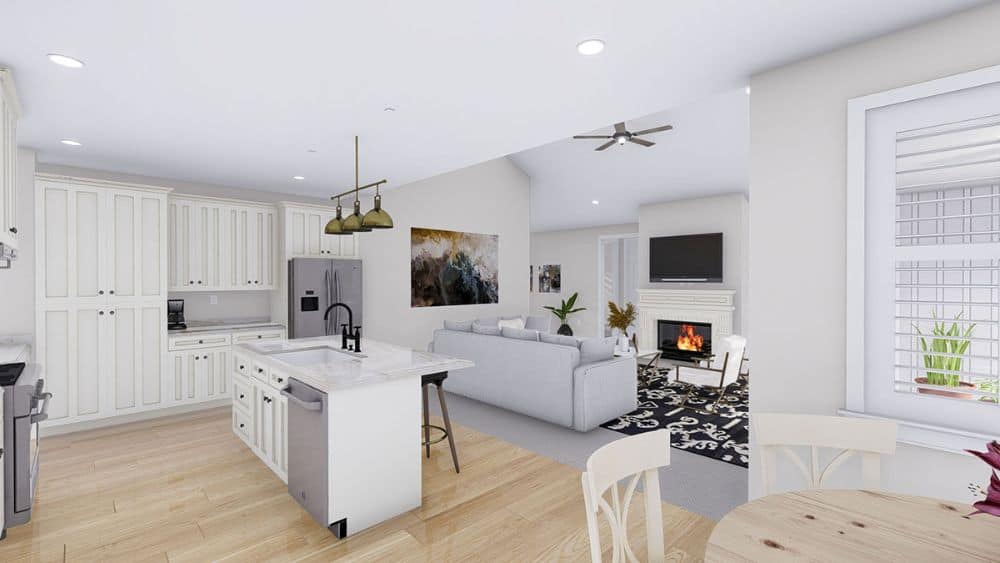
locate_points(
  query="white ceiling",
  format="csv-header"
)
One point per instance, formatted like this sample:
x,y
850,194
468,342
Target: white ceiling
x,y
234,92
705,154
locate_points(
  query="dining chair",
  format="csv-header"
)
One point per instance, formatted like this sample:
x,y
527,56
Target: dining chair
x,y
723,371
775,433
634,457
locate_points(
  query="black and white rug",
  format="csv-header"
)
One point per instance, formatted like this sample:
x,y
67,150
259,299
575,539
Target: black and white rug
x,y
722,435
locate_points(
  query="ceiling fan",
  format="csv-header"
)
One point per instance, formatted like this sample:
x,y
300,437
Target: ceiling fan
x,y
622,136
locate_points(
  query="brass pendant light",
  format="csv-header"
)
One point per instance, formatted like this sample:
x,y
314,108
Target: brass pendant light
x,y
377,218
336,225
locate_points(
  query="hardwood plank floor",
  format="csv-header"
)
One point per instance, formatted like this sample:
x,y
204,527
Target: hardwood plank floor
x,y
184,488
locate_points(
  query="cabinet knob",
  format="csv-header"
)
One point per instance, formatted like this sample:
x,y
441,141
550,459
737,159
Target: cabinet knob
x,y
242,425
201,342
112,292
260,370
255,281
191,282
100,292
13,230
241,367
280,379
199,282
242,396
259,336
111,312
100,312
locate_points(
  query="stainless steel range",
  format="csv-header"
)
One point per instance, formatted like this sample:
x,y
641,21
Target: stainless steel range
x,y
25,405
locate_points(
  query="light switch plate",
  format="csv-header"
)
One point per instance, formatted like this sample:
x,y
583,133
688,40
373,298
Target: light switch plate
x,y
213,299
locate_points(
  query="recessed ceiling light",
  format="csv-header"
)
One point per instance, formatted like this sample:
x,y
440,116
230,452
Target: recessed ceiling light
x,y
71,142
590,47
298,177
748,90
389,109
311,150
63,60
595,202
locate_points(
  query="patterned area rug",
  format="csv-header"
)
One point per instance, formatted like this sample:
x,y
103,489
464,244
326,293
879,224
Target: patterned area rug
x,y
722,435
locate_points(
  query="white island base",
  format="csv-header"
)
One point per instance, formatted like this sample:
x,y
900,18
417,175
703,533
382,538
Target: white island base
x,y
353,431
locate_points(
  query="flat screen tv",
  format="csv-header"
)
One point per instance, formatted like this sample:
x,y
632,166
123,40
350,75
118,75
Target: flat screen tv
x,y
686,258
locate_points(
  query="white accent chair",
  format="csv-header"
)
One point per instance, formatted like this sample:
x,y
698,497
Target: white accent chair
x,y
635,456
870,439
723,371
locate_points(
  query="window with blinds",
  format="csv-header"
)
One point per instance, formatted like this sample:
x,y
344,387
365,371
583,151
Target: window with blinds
x,y
947,274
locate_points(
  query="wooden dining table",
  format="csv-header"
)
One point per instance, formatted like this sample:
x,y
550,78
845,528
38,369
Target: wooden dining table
x,y
852,525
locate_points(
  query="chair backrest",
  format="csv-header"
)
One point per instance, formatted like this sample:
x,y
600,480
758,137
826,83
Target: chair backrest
x,y
775,433
635,456
729,357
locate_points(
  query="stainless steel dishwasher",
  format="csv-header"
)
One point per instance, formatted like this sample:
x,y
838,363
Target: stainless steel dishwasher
x,y
308,455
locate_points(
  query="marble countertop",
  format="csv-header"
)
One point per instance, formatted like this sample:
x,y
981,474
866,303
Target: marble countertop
x,y
378,362
224,325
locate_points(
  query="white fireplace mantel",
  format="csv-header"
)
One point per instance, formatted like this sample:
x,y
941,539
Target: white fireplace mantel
x,y
713,306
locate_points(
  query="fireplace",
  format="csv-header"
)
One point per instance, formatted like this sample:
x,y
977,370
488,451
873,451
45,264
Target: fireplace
x,y
684,340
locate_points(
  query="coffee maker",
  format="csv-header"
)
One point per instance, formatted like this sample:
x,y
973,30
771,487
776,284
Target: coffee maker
x,y
175,314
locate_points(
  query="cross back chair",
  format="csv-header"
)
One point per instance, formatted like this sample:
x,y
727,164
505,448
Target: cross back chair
x,y
634,457
776,433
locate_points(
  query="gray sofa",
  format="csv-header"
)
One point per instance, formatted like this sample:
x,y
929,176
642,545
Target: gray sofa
x,y
539,379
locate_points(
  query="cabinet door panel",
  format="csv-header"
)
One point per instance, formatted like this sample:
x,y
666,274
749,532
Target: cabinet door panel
x,y
125,352
55,241
349,246
267,242
151,374
151,253
314,232
296,233
178,371
89,259
122,241
85,373
54,352
209,224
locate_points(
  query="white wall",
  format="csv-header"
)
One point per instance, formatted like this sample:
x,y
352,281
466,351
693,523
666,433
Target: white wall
x,y
17,285
575,251
797,185
489,198
726,214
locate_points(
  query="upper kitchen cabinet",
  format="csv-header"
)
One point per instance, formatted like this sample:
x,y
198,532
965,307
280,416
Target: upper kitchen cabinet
x,y
220,245
9,113
99,242
304,237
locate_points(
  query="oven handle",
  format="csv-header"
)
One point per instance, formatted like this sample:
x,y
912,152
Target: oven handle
x,y
44,413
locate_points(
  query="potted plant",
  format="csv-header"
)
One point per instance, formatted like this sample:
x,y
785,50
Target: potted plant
x,y
942,353
564,310
990,504
621,318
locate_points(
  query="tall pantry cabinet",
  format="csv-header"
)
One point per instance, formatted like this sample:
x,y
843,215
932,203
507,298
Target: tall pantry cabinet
x,y
9,113
101,293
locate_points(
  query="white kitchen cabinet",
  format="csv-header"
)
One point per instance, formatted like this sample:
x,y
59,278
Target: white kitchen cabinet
x,y
9,114
258,401
199,375
304,236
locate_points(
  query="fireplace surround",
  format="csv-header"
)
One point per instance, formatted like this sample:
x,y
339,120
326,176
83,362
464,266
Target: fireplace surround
x,y
709,306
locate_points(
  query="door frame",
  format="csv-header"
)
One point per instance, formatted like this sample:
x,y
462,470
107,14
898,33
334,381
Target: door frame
x,y
602,321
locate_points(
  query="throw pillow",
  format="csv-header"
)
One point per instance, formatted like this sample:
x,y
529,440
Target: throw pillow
x,y
538,322
516,322
461,326
559,339
485,329
519,333
597,349
487,321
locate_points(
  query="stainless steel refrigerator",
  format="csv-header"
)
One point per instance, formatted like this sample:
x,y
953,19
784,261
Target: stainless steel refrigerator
x,y
316,283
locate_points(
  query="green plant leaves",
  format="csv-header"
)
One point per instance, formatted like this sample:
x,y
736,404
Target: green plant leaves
x,y
950,340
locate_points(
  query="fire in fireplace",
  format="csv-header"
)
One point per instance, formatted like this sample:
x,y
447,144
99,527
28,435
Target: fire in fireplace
x,y
684,340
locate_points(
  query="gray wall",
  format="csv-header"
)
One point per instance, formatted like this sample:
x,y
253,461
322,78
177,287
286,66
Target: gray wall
x,y
575,250
797,256
17,285
726,214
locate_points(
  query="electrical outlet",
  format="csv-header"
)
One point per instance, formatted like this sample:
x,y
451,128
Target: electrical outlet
x,y
213,299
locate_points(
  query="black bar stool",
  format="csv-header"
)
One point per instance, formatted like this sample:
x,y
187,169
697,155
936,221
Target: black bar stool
x,y
437,379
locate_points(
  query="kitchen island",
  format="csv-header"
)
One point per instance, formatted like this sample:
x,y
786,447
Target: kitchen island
x,y
341,428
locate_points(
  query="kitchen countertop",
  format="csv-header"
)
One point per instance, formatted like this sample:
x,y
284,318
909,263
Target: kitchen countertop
x,y
223,325
377,363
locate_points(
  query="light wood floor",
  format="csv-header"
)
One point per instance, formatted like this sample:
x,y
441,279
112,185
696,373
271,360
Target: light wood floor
x,y
185,488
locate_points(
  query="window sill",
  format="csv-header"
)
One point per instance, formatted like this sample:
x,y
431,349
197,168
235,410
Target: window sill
x,y
929,436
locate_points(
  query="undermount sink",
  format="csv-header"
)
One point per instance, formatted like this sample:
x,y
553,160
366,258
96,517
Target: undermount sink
x,y
317,355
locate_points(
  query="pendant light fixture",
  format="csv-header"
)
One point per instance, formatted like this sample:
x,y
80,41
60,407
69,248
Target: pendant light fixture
x,y
377,218
336,225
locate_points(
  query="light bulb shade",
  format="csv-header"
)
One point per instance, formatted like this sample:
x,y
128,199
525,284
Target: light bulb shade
x,y
377,218
353,222
336,225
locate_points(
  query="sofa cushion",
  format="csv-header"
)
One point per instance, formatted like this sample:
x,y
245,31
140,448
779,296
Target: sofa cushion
x,y
461,326
519,333
541,323
488,330
516,322
559,339
597,349
486,321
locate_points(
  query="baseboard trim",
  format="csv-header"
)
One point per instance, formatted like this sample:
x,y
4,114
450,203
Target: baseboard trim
x,y
136,417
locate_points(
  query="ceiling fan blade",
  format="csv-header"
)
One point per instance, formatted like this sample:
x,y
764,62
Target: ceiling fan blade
x,y
642,142
654,130
620,127
605,145
591,136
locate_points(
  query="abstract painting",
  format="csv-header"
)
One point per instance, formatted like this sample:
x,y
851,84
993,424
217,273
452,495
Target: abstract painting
x,y
453,268
531,279
550,278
